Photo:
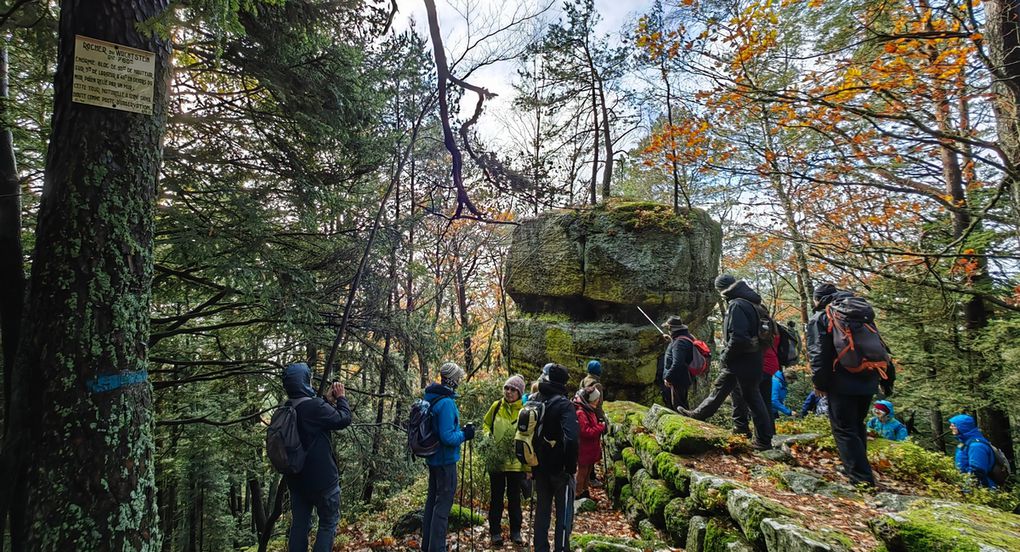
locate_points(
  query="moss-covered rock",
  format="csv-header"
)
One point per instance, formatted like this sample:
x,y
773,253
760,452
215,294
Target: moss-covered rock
x,y
626,418
653,414
647,449
804,482
749,509
682,435
708,493
626,494
678,519
648,531
939,526
653,495
584,541
911,462
671,470
631,459
585,505
634,511
619,476
696,534
602,546
786,536
720,533
461,517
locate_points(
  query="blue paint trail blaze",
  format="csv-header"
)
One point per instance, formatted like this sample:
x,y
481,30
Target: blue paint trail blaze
x,y
108,382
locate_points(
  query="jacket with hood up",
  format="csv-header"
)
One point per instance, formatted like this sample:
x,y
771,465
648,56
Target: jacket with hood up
x,y
974,454
446,423
589,450
779,392
500,424
559,425
741,353
679,355
316,419
826,374
891,429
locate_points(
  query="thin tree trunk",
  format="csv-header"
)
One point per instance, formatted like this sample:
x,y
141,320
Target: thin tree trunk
x,y
593,198
12,268
1002,33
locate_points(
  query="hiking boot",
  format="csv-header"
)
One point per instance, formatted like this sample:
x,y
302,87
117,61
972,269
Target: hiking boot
x,y
760,446
516,537
496,540
684,412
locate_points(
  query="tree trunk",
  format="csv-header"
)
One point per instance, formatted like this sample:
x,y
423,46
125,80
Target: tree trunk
x,y
593,197
1002,33
12,269
81,401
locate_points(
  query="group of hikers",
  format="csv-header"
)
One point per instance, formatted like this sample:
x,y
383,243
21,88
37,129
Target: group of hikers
x,y
557,437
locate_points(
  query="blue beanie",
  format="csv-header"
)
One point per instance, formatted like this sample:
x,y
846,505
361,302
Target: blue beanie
x,y
594,367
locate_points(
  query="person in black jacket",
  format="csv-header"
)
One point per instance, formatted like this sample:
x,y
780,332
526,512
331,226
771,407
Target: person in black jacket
x,y
741,361
557,464
318,484
675,375
849,394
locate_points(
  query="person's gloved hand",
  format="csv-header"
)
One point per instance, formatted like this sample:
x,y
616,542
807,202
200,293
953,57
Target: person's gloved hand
x,y
469,432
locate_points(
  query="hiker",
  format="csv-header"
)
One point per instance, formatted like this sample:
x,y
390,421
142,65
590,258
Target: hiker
x,y
443,464
791,326
769,367
974,454
590,429
814,404
676,377
884,424
594,379
556,449
778,399
500,424
741,360
849,394
317,485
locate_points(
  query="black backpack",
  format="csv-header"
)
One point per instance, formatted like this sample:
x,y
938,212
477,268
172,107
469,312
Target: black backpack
x,y
787,350
767,327
859,346
422,438
1000,472
283,444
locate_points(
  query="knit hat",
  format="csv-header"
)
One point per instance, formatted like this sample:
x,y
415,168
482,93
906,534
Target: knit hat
x,y
882,407
593,396
724,281
517,382
674,322
823,290
554,373
594,367
450,374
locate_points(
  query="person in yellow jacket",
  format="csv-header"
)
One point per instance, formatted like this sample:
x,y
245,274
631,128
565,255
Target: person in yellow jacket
x,y
500,424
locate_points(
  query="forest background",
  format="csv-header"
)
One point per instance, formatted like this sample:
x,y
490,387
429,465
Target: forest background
x,y
306,210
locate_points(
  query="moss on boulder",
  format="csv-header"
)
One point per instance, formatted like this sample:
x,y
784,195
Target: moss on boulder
x,y
697,527
671,470
626,418
653,495
720,533
585,541
631,459
677,518
619,476
647,449
749,509
683,435
708,493
461,517
787,536
939,526
911,462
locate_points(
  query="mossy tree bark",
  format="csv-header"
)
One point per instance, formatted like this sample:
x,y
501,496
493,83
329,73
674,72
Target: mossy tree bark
x,y
81,421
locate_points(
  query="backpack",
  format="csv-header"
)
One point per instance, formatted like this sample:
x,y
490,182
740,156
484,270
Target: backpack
x,y
528,437
283,444
787,350
701,356
767,328
859,346
1000,472
422,438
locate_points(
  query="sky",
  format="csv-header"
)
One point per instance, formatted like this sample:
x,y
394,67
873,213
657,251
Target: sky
x,y
457,29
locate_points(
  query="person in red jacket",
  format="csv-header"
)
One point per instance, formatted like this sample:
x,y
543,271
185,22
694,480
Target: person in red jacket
x,y
589,452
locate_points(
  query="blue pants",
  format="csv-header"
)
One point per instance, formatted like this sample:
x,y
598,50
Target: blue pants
x,y
442,486
327,505
558,489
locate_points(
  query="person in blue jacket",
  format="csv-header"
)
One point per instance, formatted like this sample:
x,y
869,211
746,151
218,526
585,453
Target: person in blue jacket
x,y
317,485
815,404
443,464
779,392
974,454
884,422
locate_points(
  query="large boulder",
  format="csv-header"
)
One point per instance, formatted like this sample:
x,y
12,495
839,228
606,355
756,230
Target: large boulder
x,y
783,535
577,277
940,526
749,510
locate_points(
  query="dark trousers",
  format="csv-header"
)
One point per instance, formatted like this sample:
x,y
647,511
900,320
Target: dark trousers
x,y
748,384
512,483
442,486
558,488
741,411
676,396
846,416
327,505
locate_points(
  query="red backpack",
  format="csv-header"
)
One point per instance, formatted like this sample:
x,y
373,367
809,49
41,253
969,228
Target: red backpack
x,y
701,356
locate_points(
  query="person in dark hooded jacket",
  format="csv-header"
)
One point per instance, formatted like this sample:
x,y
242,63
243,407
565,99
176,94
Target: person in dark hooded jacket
x,y
974,454
741,361
849,394
557,464
675,374
318,484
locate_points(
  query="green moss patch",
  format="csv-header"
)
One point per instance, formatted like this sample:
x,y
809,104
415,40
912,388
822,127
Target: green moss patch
x,y
653,495
647,449
673,472
684,435
939,526
749,509
461,517
708,493
719,533
631,459
677,519
585,543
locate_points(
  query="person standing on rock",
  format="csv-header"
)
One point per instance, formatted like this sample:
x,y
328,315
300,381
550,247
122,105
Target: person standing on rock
x,y
849,394
443,464
500,424
556,448
590,429
676,375
741,360
769,368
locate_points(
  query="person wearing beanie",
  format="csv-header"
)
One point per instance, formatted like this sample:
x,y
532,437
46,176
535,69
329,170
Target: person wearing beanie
x,y
590,430
593,380
556,448
443,464
506,478
849,394
741,364
675,380
884,423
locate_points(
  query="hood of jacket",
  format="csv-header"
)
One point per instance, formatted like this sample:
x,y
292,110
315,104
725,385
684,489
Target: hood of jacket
x,y
550,389
889,405
966,426
826,299
740,290
678,331
436,390
297,381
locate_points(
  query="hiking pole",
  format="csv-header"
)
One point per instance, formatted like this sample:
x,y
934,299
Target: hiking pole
x,y
460,500
471,493
652,322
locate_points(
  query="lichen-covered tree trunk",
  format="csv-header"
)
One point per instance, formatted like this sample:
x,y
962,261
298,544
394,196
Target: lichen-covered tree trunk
x,y
82,400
